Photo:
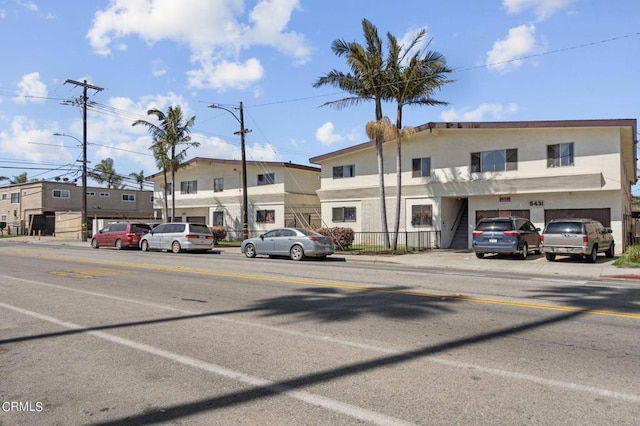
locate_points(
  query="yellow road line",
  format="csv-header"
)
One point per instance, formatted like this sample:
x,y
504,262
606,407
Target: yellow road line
x,y
441,296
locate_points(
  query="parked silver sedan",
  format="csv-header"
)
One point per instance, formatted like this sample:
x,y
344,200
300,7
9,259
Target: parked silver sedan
x,y
296,243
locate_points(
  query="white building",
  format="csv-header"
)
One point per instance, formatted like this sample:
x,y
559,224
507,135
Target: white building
x,y
209,191
455,173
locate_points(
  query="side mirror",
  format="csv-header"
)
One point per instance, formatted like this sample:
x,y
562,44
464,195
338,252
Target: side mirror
x,y
262,236
538,229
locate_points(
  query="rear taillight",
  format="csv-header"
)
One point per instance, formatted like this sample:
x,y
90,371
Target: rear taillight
x,y
131,236
511,233
191,236
477,233
542,238
312,238
209,237
585,239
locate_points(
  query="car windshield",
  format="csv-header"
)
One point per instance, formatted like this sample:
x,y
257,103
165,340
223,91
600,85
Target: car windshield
x,y
140,228
200,229
309,233
495,225
564,228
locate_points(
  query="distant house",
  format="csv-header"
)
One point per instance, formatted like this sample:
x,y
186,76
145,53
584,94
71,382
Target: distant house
x,y
453,174
209,191
55,208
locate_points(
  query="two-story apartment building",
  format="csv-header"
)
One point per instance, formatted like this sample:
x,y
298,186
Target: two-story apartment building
x,y
209,190
455,173
50,207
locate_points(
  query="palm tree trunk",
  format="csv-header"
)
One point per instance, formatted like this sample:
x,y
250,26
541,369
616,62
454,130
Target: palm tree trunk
x,y
173,183
396,227
383,197
165,216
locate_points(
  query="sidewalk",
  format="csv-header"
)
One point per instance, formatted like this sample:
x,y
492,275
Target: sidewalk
x,y
447,259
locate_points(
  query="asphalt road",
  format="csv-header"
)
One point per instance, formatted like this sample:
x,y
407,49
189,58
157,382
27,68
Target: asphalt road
x,y
125,337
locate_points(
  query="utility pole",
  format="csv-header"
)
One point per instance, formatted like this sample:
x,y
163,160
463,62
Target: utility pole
x,y
242,132
85,86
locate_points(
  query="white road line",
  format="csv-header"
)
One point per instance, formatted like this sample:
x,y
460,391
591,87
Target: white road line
x,y
309,398
492,371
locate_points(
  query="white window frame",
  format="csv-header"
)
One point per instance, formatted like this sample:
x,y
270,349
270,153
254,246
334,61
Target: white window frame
x,y
346,171
60,193
266,179
105,194
188,187
129,198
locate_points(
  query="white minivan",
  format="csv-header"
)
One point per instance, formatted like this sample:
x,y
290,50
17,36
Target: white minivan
x,y
177,237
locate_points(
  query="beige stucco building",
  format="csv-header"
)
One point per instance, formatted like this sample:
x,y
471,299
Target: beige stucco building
x,y
209,191
56,207
455,173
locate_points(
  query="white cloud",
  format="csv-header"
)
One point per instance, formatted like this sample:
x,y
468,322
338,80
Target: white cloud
x,y
28,5
214,30
326,136
24,139
484,112
542,8
520,42
223,75
158,68
31,89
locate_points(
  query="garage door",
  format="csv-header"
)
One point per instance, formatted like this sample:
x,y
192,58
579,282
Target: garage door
x,y
601,215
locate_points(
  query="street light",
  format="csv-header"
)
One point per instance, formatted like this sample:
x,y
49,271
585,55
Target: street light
x,y
83,231
242,132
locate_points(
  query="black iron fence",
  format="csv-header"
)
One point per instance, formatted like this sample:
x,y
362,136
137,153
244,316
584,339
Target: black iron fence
x,y
374,242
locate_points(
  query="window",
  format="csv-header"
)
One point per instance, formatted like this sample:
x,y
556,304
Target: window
x,y
266,179
218,218
128,197
61,193
265,216
340,172
91,194
105,194
343,214
4,196
494,161
421,167
189,187
218,185
560,155
3,218
15,197
421,215
169,188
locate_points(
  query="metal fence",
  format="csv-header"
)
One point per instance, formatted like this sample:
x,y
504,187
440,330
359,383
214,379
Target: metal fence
x,y
374,242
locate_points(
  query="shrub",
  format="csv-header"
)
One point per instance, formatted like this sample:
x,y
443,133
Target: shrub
x,y
630,258
342,237
219,233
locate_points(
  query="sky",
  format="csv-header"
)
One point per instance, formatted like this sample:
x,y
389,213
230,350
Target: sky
x,y
512,60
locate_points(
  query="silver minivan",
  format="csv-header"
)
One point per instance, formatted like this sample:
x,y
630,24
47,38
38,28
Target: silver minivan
x,y
177,237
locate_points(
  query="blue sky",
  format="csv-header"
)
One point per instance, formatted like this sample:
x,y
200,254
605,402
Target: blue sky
x,y
512,60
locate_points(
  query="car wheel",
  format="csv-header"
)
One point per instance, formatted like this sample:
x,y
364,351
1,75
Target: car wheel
x,y
250,251
525,251
94,243
550,256
594,254
144,245
175,247
296,253
118,244
612,250
479,255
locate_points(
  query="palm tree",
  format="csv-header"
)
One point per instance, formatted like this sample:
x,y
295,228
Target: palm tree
x,y
139,177
366,82
104,172
411,81
21,178
171,132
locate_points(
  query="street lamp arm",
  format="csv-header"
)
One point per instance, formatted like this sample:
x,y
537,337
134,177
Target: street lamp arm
x,y
216,106
69,136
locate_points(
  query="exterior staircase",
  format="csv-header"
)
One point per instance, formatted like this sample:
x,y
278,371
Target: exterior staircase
x,y
460,239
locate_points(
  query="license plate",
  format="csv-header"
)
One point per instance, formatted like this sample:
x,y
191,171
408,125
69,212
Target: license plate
x,y
493,240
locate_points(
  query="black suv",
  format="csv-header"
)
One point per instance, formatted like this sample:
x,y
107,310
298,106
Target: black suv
x,y
506,235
